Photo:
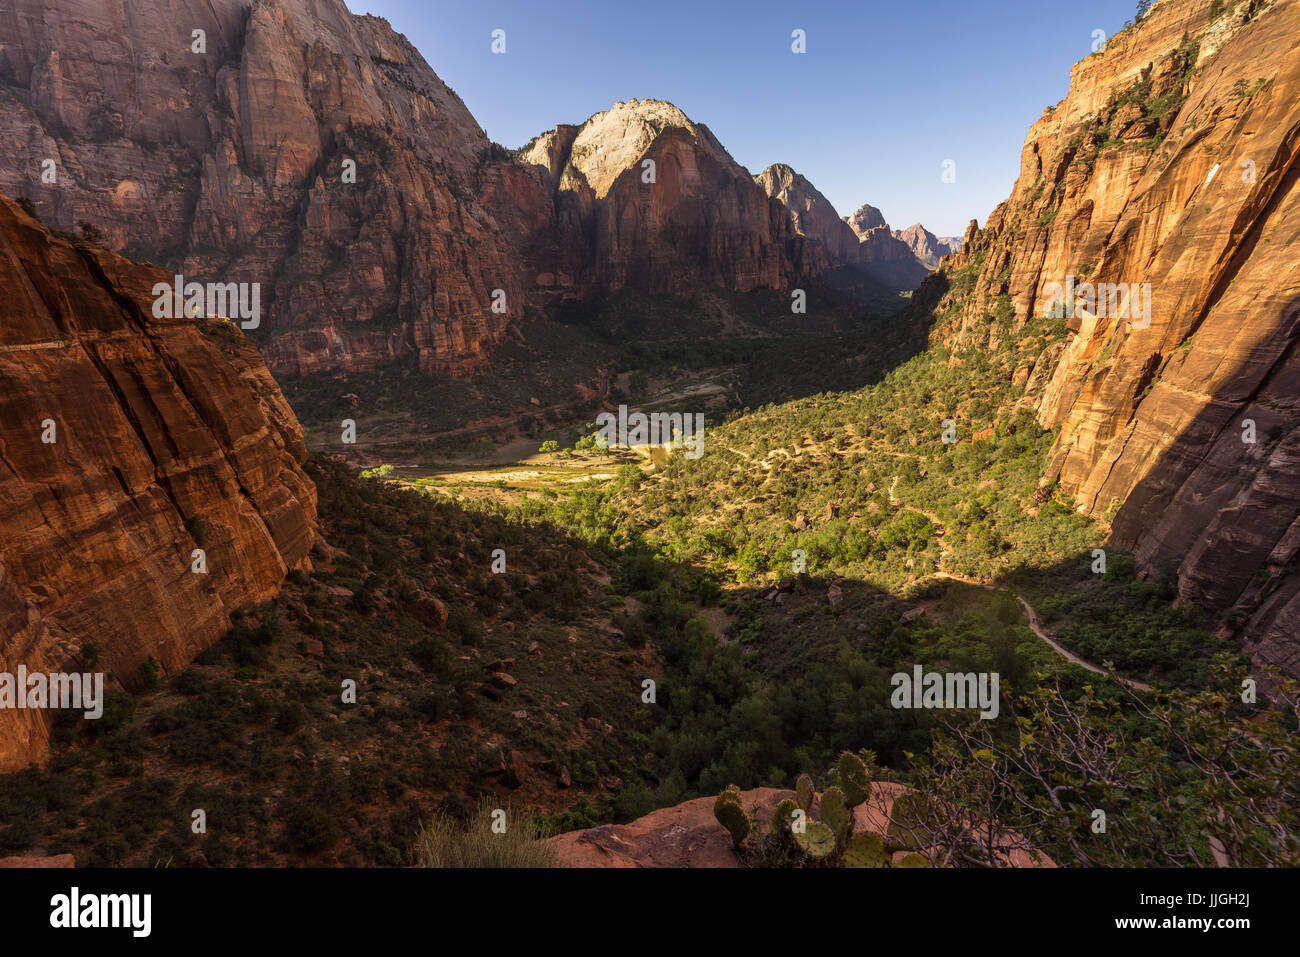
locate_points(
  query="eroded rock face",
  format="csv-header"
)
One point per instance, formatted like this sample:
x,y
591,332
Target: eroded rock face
x,y
891,257
925,245
231,165
1174,162
127,442
863,239
645,198
865,218
228,164
811,213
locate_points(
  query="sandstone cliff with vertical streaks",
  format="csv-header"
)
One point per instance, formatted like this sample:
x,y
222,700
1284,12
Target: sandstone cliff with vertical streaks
x,y
1174,161
167,436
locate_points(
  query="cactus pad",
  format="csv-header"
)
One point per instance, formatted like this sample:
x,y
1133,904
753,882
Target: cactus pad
x,y
781,815
865,850
731,814
817,840
855,779
805,792
836,815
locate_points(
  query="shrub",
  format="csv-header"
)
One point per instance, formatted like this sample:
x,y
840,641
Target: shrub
x,y
311,829
149,672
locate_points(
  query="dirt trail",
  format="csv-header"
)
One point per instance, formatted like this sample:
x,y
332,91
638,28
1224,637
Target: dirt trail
x,y
1070,656
1030,611
1064,652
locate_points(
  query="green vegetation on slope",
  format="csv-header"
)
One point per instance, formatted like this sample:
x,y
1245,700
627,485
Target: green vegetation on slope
x,y
256,731
764,682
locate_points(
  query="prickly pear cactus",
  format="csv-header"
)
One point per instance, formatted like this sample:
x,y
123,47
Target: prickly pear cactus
x,y
865,850
855,779
913,860
805,792
816,840
836,815
781,815
730,813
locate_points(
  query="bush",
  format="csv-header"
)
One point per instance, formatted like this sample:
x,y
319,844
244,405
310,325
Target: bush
x,y
431,655
311,829
149,672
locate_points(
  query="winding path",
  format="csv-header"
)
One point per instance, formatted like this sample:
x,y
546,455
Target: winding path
x,y
1071,656
1030,612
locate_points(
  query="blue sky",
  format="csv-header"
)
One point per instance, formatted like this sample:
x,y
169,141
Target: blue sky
x,y
884,94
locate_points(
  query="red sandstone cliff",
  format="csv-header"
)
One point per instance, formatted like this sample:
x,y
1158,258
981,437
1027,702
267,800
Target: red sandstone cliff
x,y
643,197
890,255
163,435
1174,161
925,245
863,239
229,163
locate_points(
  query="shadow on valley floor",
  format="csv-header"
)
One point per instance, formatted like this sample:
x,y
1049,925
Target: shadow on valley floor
x,y
526,687
714,352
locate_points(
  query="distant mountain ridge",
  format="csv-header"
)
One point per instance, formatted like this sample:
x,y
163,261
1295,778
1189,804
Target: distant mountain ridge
x,y
925,246
316,153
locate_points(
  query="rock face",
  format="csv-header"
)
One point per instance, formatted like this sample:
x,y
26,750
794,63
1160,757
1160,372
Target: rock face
x,y
925,245
229,164
811,213
881,246
687,835
641,196
127,442
1174,161
315,152
866,217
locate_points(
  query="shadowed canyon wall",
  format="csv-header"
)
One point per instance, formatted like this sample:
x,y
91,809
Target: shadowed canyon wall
x,y
127,442
1171,166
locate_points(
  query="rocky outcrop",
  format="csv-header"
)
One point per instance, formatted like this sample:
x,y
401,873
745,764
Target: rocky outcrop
x,y
230,162
1173,164
688,835
925,245
645,198
315,152
126,443
866,218
892,258
811,214
843,241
